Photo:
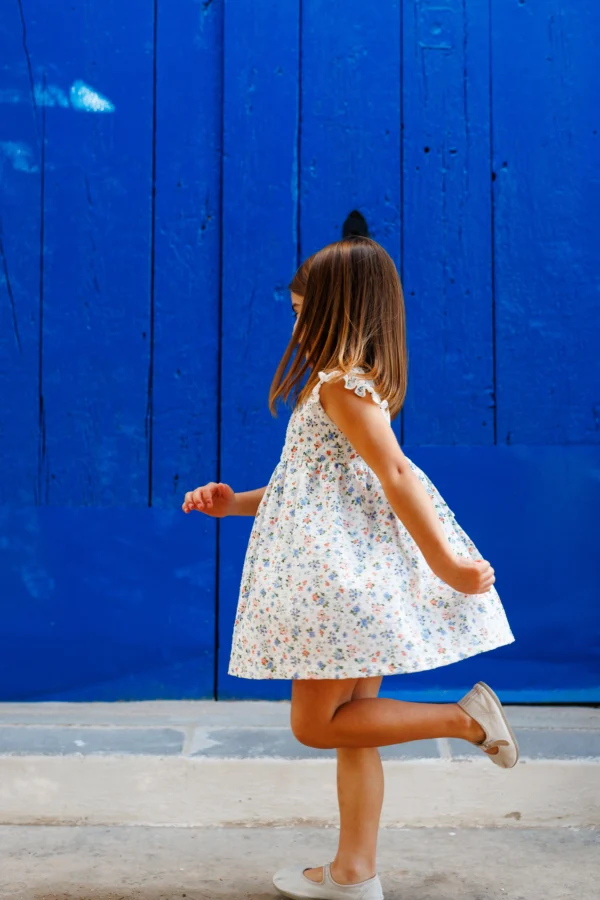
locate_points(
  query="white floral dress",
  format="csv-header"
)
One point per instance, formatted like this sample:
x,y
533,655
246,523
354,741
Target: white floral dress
x,y
333,585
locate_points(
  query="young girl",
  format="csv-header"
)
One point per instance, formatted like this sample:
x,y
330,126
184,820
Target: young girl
x,y
356,568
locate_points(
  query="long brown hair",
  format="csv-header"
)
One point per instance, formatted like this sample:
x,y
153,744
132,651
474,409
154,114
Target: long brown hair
x,y
352,316
298,283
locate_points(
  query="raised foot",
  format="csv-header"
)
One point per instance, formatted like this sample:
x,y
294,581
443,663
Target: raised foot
x,y
472,730
488,718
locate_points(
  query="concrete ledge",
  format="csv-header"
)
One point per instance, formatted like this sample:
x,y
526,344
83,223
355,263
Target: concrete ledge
x,y
251,731
224,764
188,791
247,713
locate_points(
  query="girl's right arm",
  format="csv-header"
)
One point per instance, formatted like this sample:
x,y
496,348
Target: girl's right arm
x,y
219,500
372,438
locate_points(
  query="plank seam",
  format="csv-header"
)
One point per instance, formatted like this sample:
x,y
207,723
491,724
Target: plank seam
x,y
41,410
9,291
29,67
220,354
493,228
150,386
401,76
465,97
299,141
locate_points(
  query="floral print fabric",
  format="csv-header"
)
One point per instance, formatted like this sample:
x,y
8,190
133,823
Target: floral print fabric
x,y
333,585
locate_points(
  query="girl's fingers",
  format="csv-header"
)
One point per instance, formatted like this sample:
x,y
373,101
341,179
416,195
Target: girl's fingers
x,y
202,498
487,583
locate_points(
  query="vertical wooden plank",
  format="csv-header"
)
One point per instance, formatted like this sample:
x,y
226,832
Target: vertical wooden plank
x,y
546,83
97,216
187,246
350,138
20,198
187,284
259,258
447,222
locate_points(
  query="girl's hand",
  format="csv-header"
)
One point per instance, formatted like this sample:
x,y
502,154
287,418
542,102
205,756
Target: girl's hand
x,y
469,576
216,500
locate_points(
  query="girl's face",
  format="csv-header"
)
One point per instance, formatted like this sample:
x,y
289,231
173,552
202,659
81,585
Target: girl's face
x,y
296,307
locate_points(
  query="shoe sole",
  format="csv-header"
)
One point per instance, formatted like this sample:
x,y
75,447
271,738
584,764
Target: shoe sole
x,y
496,699
296,896
291,896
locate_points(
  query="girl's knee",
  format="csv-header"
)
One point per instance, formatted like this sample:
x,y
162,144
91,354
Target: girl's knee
x,y
309,732
314,705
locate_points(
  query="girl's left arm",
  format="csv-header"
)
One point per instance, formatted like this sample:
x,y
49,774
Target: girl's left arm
x,y
220,500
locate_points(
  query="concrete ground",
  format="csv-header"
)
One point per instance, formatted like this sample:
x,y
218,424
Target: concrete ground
x,y
135,863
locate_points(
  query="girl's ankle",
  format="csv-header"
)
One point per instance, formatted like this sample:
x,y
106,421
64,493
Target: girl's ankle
x,y
470,729
352,873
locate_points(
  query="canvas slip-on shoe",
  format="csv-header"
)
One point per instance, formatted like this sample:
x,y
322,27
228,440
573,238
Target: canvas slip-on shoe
x,y
482,704
294,884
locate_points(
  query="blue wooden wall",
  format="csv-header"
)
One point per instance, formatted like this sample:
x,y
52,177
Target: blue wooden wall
x,y
163,169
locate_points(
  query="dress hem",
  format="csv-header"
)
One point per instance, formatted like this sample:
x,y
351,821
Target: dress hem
x,y
374,671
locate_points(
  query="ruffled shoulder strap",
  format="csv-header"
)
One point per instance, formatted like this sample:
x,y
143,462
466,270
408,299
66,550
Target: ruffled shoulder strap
x,y
353,381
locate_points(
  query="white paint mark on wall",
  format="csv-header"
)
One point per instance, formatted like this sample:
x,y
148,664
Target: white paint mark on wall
x,y
80,97
85,98
19,155
50,95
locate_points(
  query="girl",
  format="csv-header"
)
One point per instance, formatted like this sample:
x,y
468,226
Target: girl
x,y
356,568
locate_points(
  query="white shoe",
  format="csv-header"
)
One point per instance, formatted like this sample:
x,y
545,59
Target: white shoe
x,y
482,704
293,883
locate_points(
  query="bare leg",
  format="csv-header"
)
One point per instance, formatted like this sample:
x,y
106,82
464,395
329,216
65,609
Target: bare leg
x,y
360,797
325,716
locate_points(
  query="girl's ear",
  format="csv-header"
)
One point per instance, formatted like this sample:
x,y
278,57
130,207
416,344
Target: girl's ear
x,y
355,226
